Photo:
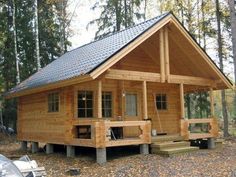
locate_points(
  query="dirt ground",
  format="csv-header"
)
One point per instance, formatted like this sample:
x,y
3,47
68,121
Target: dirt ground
x,y
124,162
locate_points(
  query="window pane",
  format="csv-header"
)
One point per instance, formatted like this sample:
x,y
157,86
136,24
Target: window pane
x,y
81,113
106,113
158,98
89,95
131,104
81,95
164,105
163,98
161,101
89,112
53,102
106,104
85,104
108,96
81,104
56,108
89,104
158,105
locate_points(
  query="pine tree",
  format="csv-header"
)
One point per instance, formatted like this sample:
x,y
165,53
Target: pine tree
x,y
116,15
220,53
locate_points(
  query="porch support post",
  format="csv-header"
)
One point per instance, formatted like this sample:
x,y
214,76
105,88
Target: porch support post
x,y
212,102
182,101
35,147
211,143
99,99
145,109
162,55
49,148
101,155
70,151
144,149
23,146
167,65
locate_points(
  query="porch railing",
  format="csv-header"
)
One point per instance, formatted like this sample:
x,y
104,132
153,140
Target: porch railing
x,y
210,124
100,133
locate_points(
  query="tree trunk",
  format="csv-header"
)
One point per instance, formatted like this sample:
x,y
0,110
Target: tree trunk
x,y
233,32
203,24
220,53
145,9
15,43
37,34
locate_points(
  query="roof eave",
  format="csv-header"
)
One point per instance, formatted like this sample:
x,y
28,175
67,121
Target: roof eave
x,y
51,86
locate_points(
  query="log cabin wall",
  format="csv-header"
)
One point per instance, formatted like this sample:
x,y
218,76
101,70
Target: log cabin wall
x,y
35,123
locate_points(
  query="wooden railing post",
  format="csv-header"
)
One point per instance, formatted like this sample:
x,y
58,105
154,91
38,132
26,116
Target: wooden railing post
x,y
99,99
145,109
182,101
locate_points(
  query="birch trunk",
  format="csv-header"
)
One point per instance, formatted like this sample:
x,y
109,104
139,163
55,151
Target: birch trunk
x,y
37,34
219,40
15,43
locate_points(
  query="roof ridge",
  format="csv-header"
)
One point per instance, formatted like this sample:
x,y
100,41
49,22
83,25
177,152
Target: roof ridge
x,y
111,34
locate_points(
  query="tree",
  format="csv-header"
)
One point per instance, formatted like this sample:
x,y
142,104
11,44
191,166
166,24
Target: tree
x,y
220,55
231,4
15,42
116,15
36,21
19,38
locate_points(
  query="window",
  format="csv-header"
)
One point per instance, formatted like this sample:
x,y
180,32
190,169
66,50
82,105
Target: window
x,y
53,102
106,104
85,104
161,102
131,105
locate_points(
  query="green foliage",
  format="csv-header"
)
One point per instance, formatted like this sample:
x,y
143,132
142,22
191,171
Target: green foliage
x,y
49,43
116,15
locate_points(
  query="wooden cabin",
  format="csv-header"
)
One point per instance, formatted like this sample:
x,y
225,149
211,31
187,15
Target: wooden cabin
x,y
114,91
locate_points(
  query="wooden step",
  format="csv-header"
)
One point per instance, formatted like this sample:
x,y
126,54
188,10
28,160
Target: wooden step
x,y
170,144
162,138
173,151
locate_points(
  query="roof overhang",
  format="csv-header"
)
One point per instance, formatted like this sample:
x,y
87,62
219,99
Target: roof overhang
x,y
51,86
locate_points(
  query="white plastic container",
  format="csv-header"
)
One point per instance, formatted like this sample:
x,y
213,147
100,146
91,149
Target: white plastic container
x,y
154,132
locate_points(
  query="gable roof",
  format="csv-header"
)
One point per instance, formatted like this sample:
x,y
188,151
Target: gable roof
x,y
83,61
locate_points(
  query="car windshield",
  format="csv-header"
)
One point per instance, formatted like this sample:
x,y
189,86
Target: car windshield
x,y
8,169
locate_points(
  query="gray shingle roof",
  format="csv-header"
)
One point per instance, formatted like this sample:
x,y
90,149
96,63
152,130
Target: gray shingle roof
x,y
86,58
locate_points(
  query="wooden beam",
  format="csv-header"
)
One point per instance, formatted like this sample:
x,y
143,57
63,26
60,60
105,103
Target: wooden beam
x,y
182,101
99,99
167,63
190,80
162,55
145,109
132,75
212,102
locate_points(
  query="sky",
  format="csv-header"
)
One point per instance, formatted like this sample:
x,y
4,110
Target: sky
x,y
83,14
